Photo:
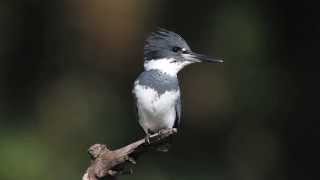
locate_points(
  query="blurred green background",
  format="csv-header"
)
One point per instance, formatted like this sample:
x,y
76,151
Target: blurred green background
x,y
67,68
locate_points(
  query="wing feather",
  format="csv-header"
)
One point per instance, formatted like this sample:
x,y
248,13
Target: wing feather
x,y
178,109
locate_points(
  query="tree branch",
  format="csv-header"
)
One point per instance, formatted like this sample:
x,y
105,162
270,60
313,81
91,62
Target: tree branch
x,y
108,163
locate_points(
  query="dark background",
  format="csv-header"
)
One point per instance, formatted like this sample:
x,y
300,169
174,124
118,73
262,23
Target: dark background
x,y
67,68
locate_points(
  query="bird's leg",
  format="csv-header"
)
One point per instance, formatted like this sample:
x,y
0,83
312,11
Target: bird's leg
x,y
148,134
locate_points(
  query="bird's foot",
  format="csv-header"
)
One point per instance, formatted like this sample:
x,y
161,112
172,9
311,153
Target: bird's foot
x,y
147,138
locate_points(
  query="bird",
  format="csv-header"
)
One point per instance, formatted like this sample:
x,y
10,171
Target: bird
x,y
156,90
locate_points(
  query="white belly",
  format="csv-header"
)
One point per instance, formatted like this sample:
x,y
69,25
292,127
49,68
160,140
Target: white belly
x,y
155,111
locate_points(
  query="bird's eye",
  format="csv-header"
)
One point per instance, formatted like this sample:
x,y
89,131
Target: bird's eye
x,y
176,49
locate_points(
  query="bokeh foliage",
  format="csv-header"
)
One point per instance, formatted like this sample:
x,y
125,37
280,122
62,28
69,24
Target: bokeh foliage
x,y
67,68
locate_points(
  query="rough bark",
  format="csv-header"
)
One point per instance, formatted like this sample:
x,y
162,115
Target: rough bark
x,y
107,164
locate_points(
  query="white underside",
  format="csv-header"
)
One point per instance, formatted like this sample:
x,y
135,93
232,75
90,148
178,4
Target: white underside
x,y
155,112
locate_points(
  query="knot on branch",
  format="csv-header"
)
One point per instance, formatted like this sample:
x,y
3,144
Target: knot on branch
x,y
96,150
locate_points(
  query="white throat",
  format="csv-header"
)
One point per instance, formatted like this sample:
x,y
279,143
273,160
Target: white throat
x,y
166,65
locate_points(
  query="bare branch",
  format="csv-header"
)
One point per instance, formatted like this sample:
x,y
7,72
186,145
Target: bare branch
x,y
110,163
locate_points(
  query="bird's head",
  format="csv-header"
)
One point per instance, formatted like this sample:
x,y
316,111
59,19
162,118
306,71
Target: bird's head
x,y
168,52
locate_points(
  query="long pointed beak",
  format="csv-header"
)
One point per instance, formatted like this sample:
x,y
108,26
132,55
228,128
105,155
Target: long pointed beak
x,y
192,56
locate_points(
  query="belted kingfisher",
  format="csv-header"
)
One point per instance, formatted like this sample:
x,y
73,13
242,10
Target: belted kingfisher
x,y
156,90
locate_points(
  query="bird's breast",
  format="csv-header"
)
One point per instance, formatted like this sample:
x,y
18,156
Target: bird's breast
x,y
150,100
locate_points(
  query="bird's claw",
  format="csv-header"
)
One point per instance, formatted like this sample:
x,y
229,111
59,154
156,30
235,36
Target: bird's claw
x,y
147,138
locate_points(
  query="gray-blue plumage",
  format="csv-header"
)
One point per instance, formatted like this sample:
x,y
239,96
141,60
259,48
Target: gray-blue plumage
x,y
156,90
159,81
160,44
